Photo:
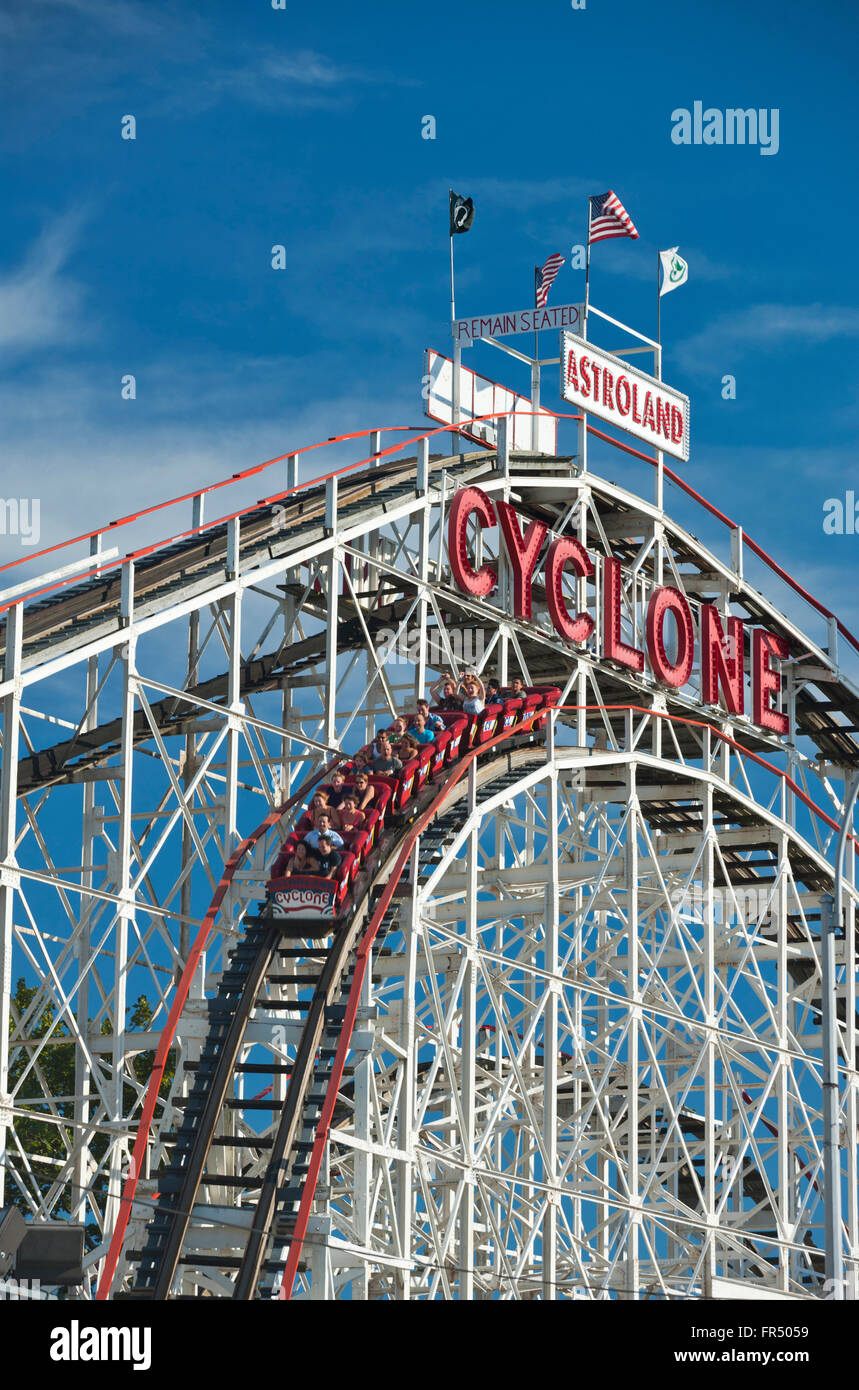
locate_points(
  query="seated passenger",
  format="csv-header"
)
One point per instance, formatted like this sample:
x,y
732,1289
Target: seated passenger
x,y
321,829
516,689
301,862
419,731
350,817
493,691
337,789
328,860
361,761
474,693
394,731
318,802
364,791
444,693
408,748
384,763
320,805
434,722
333,817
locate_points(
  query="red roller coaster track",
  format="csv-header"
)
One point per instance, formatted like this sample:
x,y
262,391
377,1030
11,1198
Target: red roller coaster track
x,y
402,856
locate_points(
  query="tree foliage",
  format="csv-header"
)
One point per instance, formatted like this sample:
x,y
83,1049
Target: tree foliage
x,y
52,1074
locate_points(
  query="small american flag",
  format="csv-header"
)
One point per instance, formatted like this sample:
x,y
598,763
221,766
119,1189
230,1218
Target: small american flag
x,y
545,278
609,218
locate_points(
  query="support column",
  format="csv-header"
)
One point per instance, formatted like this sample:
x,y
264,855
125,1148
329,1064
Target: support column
x,y
363,1159
333,582
423,567
632,1276
125,915
455,441
709,991
234,679
783,1193
83,947
535,404
550,1035
469,1053
11,713
408,1090
189,767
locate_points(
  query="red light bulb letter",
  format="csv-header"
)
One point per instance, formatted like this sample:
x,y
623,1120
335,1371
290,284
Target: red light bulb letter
x,y
721,660
612,646
662,601
767,682
567,549
469,499
523,552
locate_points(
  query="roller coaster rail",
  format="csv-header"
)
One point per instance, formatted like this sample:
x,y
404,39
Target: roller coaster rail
x,y
401,856
578,1054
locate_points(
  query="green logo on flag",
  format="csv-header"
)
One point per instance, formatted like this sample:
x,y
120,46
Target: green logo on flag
x,y
678,270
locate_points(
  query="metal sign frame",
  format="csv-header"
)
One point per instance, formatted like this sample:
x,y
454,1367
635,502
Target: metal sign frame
x,y
605,404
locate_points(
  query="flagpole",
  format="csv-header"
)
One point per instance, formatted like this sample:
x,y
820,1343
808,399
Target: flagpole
x,y
660,461
582,427
457,349
658,307
452,300
535,370
587,271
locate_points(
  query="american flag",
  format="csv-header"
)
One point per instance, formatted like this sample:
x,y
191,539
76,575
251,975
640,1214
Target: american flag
x,y
544,279
609,218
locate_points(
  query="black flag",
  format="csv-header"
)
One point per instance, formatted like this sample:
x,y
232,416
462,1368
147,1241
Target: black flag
x,y
461,213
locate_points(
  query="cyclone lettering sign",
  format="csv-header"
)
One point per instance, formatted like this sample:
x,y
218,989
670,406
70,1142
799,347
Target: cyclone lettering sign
x,y
670,653
304,895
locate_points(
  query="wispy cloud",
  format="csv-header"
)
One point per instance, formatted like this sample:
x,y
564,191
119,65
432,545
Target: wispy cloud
x,y
523,194
273,80
117,16
41,305
85,48
765,327
90,456
637,261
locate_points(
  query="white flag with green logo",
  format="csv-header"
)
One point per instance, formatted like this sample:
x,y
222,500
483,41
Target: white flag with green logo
x,y
675,271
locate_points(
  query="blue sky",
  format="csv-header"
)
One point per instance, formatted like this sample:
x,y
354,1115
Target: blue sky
x,y
302,127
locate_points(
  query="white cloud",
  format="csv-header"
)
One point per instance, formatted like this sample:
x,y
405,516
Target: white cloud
x,y
523,194
765,327
273,81
125,17
40,305
91,457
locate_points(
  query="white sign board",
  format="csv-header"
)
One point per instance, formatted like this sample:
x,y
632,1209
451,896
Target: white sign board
x,y
606,386
480,396
522,321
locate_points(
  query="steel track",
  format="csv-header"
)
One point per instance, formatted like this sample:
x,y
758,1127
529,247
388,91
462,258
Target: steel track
x,y
187,567
252,966
266,1238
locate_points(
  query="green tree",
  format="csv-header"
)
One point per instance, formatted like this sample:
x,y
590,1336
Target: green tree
x,y
54,1074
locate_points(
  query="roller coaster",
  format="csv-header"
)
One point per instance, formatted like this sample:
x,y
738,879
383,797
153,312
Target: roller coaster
x,y
556,1029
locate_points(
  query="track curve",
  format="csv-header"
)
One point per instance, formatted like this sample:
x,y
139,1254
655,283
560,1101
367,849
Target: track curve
x,y
264,1259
